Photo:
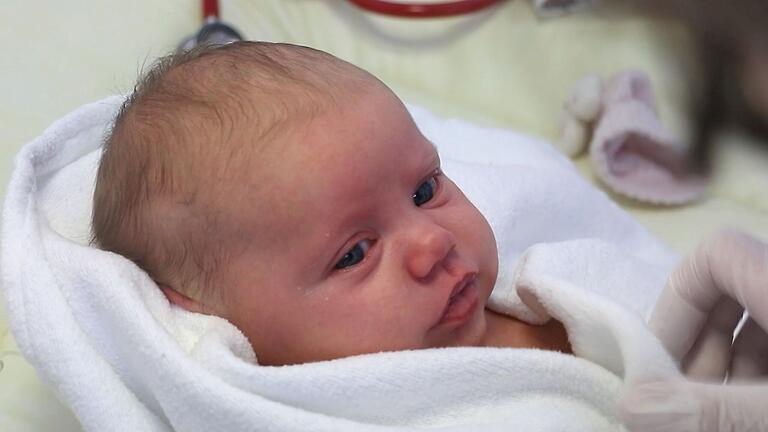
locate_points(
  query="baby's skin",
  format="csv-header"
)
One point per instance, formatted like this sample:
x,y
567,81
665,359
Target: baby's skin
x,y
336,233
364,245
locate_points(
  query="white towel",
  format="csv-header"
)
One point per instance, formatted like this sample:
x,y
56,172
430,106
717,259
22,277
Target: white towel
x,y
99,331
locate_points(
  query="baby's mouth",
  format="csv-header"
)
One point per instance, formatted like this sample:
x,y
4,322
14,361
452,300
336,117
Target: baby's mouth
x,y
462,302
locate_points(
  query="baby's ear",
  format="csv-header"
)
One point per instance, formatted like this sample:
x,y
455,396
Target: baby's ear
x,y
181,300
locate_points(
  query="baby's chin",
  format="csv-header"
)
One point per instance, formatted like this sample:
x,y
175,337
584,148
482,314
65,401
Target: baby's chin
x,y
469,334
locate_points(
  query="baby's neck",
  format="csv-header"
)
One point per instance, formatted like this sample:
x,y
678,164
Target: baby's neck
x,y
505,331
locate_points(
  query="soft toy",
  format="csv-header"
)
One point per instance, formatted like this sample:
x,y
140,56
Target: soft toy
x,y
631,151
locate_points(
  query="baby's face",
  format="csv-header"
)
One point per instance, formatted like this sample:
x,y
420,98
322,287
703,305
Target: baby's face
x,y
358,242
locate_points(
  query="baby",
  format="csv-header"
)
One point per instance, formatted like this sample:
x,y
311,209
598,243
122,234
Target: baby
x,y
292,194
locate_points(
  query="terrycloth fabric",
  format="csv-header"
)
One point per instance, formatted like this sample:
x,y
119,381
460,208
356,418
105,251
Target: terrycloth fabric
x,y
103,336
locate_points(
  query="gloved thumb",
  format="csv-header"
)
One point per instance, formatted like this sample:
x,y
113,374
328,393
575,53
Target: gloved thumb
x,y
683,406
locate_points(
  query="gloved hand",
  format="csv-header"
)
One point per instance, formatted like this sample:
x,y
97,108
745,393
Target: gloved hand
x,y
695,319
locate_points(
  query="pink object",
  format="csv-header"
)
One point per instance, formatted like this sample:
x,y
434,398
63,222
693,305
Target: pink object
x,y
633,153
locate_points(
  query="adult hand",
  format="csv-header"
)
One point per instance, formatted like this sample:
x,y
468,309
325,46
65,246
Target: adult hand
x,y
695,319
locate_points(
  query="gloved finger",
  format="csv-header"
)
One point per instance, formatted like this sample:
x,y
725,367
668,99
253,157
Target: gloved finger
x,y
749,354
738,265
675,406
678,316
710,356
663,406
730,264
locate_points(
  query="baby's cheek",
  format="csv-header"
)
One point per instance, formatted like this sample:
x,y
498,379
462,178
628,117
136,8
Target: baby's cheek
x,y
360,309
478,224
485,242
396,314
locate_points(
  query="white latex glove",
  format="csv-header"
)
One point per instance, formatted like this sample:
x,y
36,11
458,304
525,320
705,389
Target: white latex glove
x,y
695,319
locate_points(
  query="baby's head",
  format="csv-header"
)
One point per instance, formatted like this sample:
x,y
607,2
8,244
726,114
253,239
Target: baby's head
x,y
291,193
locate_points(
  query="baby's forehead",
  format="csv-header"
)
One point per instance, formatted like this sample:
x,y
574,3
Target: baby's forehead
x,y
344,160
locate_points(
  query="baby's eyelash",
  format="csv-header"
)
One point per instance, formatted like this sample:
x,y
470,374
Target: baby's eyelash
x,y
427,189
355,255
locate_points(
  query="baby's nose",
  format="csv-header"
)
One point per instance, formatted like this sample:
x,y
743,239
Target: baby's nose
x,y
429,247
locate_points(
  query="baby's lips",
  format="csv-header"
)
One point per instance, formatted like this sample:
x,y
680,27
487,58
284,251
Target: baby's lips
x,y
467,279
462,301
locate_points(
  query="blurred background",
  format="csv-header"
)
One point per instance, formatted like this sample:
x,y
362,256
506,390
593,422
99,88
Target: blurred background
x,y
510,65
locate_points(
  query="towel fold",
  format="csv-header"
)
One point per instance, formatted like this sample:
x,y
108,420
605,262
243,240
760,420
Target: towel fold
x,y
98,330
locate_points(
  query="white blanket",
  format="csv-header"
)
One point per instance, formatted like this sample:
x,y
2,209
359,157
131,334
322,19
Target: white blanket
x,y
103,336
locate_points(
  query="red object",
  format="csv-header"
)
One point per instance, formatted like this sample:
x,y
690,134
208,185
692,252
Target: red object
x,y
423,10
210,9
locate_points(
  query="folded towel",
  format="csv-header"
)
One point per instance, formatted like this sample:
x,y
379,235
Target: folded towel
x,y
98,330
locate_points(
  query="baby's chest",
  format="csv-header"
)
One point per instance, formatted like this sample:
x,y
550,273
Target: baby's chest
x,y
505,331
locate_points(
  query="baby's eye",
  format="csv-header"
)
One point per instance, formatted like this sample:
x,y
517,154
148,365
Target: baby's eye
x,y
355,255
425,192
